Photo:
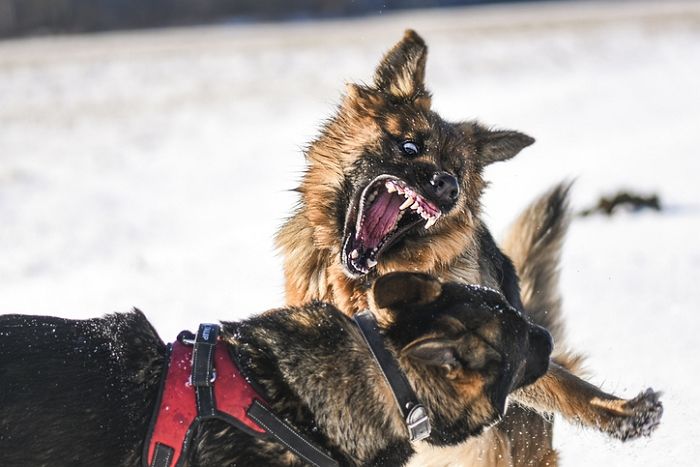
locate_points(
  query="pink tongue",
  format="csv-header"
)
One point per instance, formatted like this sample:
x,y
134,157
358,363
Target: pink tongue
x,y
380,219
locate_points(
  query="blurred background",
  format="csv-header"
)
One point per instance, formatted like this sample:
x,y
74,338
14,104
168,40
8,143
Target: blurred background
x,y
28,17
152,167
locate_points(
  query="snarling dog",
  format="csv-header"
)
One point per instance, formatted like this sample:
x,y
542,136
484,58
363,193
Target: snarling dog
x,y
81,393
391,186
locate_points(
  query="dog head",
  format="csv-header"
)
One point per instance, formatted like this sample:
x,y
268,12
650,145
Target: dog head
x,y
390,184
463,348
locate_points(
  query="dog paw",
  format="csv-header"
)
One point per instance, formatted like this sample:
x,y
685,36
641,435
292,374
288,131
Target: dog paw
x,y
637,417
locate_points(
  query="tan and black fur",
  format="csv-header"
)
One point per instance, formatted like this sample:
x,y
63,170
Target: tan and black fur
x,y
81,392
362,141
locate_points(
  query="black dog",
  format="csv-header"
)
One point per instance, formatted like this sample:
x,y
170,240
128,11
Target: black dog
x,y
82,393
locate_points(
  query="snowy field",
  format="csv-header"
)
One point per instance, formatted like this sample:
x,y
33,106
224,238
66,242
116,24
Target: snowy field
x,y
152,169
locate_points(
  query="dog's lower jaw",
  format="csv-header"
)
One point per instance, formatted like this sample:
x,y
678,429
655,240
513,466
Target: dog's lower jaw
x,y
381,214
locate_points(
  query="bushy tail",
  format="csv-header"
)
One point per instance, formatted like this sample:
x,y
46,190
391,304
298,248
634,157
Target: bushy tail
x,y
534,244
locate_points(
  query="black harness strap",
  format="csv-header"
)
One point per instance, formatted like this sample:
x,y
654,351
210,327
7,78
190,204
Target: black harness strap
x,y
163,456
413,412
203,374
285,434
203,377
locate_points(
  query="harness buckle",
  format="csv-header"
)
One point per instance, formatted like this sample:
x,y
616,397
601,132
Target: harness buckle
x,y
186,338
418,423
211,380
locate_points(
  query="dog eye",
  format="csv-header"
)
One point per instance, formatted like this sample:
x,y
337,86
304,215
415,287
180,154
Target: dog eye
x,y
409,148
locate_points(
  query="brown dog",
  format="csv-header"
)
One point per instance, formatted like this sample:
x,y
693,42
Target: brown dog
x,y
391,186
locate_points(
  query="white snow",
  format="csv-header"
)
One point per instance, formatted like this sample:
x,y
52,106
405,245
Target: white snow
x,y
152,169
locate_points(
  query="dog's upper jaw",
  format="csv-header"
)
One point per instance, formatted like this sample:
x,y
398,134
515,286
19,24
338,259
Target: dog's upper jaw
x,y
381,214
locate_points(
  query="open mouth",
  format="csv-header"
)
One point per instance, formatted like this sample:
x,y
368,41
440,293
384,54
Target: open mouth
x,y
386,209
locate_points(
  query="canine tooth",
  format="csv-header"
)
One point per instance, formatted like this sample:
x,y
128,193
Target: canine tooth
x,y
415,206
371,263
430,222
355,254
409,201
390,187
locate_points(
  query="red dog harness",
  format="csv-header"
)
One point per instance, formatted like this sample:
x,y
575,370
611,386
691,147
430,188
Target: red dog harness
x,y
203,382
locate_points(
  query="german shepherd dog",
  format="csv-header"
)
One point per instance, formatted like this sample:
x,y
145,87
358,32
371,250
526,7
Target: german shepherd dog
x,y
391,186
81,393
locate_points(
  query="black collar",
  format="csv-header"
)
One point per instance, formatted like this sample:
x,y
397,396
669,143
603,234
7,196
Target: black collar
x,y
413,412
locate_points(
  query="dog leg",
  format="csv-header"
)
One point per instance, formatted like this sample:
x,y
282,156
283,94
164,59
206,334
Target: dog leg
x,y
579,401
530,435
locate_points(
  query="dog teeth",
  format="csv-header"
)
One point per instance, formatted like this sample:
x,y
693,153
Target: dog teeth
x,y
390,187
430,222
415,206
409,201
371,263
399,190
355,254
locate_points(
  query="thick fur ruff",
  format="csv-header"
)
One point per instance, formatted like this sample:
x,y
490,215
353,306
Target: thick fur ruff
x,y
81,393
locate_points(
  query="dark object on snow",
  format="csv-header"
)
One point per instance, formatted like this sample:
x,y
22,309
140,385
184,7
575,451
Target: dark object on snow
x,y
623,199
82,392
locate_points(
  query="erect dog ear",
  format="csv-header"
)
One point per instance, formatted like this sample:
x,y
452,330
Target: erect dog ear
x,y
405,288
500,145
364,99
433,352
401,73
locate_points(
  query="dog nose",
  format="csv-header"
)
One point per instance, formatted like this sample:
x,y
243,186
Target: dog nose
x,y
445,186
540,347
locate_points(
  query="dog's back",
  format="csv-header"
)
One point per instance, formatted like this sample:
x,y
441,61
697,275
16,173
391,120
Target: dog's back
x,y
87,368
534,244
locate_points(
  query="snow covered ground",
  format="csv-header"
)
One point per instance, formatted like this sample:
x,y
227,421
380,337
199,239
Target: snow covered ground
x,y
152,169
